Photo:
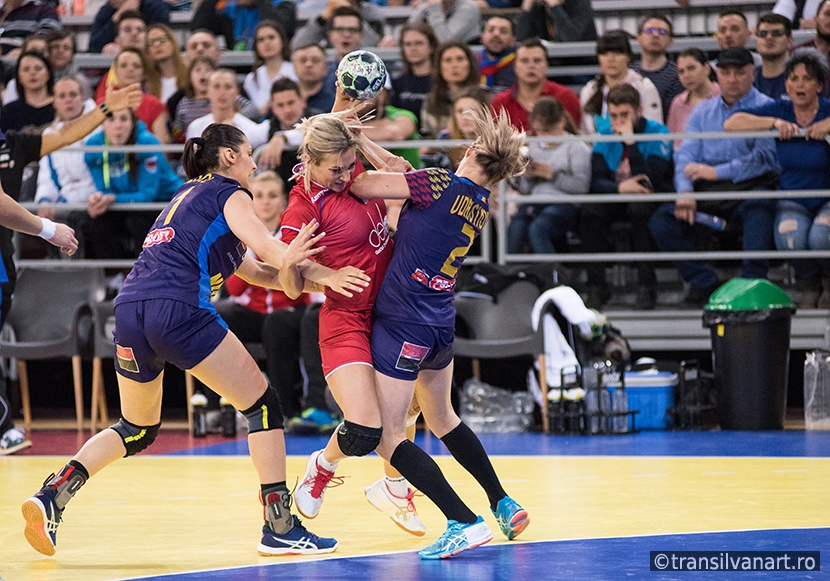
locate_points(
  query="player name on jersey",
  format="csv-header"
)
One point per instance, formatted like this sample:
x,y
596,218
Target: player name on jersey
x,y
465,207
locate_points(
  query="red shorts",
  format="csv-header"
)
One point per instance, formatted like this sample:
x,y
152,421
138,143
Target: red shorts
x,y
344,338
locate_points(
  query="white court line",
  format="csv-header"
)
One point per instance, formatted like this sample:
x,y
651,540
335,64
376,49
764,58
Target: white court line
x,y
648,475
581,477
716,473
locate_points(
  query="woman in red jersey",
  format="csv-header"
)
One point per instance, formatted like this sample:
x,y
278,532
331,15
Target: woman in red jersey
x,y
356,231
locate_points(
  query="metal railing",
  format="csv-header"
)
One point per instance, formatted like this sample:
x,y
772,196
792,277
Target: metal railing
x,y
498,227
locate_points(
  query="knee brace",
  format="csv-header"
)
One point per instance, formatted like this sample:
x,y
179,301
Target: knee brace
x,y
357,440
135,438
265,414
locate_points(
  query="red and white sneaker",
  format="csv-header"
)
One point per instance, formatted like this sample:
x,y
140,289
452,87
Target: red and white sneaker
x,y
308,496
400,509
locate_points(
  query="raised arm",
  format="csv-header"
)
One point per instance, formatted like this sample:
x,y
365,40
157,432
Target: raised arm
x,y
377,184
116,100
239,213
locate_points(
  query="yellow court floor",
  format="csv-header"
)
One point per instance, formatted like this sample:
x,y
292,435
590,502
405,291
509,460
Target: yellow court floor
x,y
157,515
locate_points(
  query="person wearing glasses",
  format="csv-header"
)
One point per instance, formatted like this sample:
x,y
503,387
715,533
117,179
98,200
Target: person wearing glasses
x,y
317,29
450,19
655,36
166,70
774,43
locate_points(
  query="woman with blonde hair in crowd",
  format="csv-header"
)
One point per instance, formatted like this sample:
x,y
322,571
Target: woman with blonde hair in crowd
x,y
614,54
462,126
167,71
455,68
272,61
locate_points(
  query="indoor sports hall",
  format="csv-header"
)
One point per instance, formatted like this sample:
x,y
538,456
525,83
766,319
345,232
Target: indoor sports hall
x,y
599,506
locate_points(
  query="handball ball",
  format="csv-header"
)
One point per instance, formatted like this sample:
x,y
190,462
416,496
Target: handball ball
x,y
361,74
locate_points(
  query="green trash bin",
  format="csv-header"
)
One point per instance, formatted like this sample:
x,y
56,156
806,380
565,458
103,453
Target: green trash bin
x,y
750,324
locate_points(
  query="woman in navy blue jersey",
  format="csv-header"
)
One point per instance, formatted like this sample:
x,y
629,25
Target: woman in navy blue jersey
x,y
164,313
415,320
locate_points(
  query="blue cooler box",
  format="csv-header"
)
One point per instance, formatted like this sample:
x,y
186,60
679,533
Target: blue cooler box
x,y
652,393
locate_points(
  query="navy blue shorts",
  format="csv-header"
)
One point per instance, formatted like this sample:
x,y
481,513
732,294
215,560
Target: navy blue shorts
x,y
400,350
148,333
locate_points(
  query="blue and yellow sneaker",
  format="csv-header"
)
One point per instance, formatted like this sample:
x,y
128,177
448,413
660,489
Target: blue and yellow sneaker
x,y
458,537
313,421
42,518
297,541
512,518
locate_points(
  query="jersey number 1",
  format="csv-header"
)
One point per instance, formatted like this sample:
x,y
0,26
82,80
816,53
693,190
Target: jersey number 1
x,y
458,252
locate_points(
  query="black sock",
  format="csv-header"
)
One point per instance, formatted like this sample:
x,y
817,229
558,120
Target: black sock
x,y
276,500
467,450
425,475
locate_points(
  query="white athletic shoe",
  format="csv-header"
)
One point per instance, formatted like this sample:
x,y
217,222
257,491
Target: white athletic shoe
x,y
400,510
13,440
308,497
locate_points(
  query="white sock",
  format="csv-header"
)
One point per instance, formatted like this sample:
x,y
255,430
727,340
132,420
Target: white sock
x,y
325,464
397,486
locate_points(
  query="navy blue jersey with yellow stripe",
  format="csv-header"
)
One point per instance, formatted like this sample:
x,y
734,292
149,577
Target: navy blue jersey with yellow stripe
x,y
190,250
436,228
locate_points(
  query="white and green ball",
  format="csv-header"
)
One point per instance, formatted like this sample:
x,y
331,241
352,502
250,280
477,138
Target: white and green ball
x,y
361,74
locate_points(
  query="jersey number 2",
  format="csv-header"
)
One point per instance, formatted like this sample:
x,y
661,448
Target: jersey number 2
x,y
458,252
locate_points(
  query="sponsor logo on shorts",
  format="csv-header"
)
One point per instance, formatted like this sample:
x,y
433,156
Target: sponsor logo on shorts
x,y
159,236
411,357
126,359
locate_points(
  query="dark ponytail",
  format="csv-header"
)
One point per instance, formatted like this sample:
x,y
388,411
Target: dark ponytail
x,y
612,41
201,154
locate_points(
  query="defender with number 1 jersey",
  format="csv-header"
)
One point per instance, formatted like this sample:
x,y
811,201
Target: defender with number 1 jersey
x,y
190,251
436,228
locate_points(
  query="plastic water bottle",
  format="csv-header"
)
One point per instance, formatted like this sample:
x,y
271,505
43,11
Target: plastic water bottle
x,y
590,384
713,222
199,404
228,418
604,398
619,406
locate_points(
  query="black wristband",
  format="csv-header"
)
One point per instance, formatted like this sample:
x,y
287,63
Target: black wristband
x,y
322,21
105,110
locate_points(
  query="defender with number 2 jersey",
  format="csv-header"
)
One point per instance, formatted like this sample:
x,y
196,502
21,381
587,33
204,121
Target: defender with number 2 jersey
x,y
436,228
190,251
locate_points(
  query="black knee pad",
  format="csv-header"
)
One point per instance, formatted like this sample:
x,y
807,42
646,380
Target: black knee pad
x,y
265,414
357,440
135,438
